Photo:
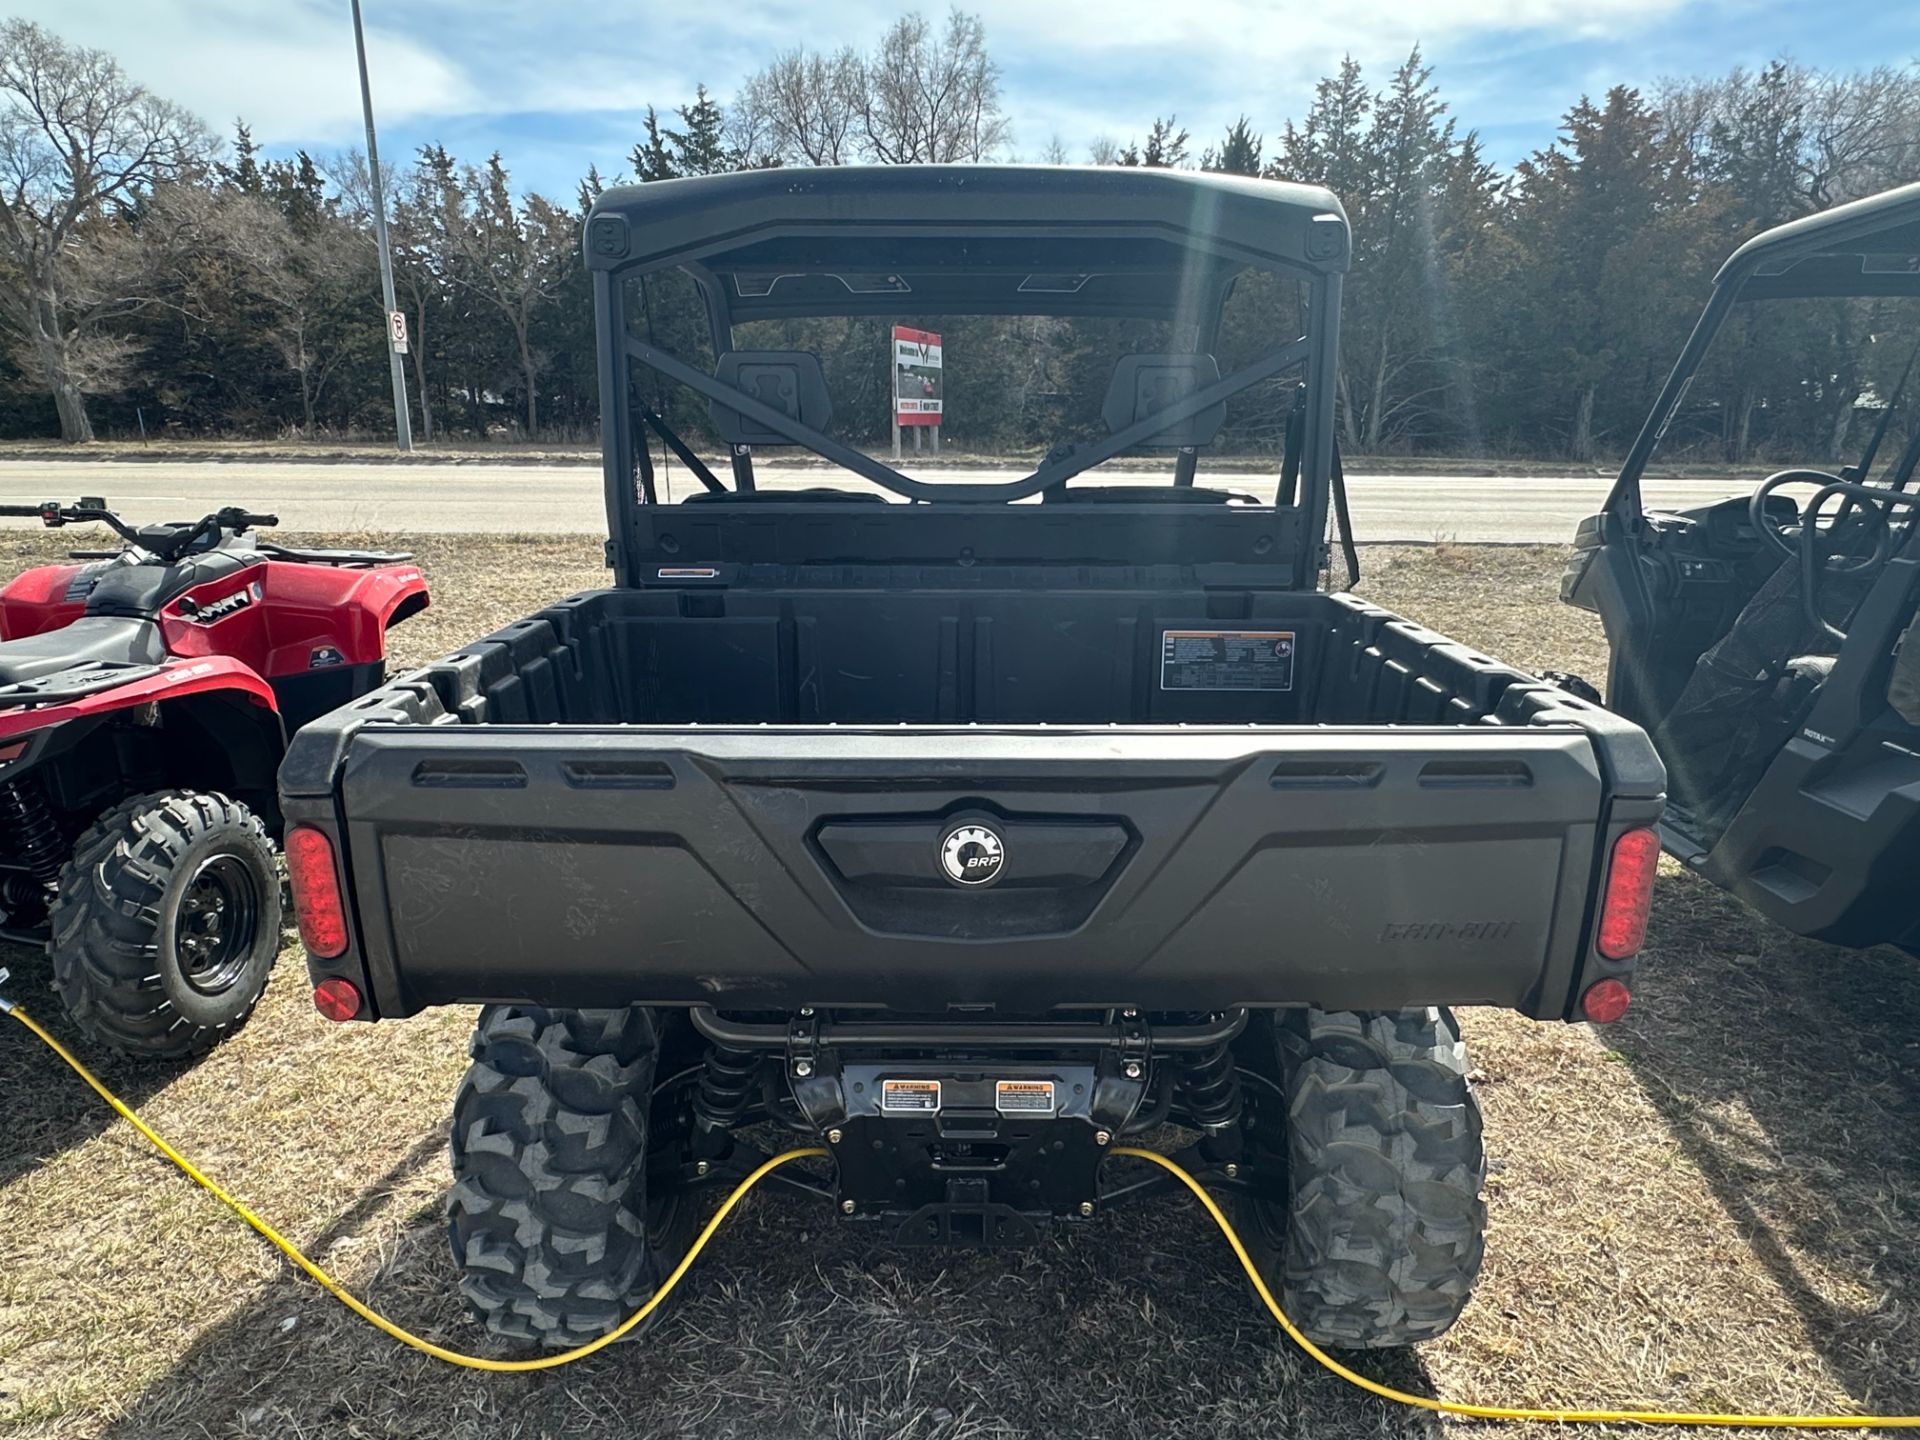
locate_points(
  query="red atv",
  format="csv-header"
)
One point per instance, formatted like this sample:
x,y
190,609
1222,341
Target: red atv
x,y
146,697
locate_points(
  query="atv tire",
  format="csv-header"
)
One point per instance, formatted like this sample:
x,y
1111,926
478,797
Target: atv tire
x,y
1381,1235
166,923
548,1216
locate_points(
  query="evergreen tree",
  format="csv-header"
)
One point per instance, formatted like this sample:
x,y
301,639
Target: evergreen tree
x,y
298,190
700,147
1605,218
1390,387
1756,146
590,189
1166,147
1329,147
243,172
652,158
1239,152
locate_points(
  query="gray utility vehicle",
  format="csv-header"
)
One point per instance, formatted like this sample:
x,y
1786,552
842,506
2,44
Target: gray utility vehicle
x,y
963,836
1770,642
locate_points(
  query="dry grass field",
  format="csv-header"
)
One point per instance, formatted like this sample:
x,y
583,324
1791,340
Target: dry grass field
x,y
1715,1204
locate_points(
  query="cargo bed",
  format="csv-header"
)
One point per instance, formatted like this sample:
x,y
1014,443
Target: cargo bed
x,y
737,797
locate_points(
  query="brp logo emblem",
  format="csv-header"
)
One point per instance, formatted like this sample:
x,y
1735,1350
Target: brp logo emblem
x,y
972,855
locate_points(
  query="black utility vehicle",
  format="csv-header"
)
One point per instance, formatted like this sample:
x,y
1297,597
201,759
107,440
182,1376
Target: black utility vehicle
x,y
1769,641
963,836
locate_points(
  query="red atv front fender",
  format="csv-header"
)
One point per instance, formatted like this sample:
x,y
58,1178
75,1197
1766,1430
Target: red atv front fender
x,y
174,680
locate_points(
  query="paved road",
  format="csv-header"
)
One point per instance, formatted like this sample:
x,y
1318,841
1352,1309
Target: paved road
x,y
565,499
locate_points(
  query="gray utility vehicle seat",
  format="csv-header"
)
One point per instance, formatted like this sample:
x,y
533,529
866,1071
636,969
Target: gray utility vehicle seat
x,y
1143,384
792,382
87,641
789,381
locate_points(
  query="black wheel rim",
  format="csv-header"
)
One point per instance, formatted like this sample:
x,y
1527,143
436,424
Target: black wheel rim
x,y
663,1218
216,925
669,1126
1267,1219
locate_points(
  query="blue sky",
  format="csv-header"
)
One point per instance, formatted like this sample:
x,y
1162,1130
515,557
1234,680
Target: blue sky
x,y
556,85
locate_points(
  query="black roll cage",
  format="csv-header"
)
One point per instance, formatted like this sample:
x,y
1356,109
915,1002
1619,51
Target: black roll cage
x,y
1867,249
1167,246
1269,364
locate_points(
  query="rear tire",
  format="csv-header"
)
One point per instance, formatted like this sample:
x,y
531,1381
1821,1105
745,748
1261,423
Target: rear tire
x,y
548,1218
166,924
1380,1236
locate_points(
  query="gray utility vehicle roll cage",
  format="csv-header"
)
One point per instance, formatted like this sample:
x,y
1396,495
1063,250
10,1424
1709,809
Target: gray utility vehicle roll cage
x,y
1771,647
953,240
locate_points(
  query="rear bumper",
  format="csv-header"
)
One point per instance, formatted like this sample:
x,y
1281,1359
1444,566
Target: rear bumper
x,y
778,867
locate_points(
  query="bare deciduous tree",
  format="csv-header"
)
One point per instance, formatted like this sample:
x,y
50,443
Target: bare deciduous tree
x,y
297,273
411,196
932,100
80,145
803,108
920,97
1865,133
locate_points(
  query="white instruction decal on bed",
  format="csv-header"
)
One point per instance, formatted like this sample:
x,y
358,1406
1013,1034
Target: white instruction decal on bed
x,y
1226,659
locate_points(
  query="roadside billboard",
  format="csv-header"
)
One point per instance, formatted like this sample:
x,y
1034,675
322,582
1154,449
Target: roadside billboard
x,y
918,387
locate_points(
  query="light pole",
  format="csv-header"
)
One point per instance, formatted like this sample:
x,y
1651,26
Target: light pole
x,y
402,421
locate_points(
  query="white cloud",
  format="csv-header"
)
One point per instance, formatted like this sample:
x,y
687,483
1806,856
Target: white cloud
x,y
286,67
460,68
1210,61
1243,36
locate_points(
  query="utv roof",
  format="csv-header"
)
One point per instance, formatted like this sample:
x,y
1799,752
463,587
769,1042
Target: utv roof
x,y
967,239
1868,247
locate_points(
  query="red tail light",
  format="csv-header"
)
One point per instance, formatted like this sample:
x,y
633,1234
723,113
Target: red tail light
x,y
1623,913
316,893
1604,1002
336,999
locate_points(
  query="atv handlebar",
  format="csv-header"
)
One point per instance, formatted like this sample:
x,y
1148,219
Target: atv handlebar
x,y
168,542
53,514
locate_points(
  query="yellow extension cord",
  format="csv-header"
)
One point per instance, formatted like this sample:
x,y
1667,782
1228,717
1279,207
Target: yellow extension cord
x,y
1212,1207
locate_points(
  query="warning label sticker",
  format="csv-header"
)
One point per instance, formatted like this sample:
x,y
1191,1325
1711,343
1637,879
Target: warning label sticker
x,y
1226,659
912,1097
1023,1097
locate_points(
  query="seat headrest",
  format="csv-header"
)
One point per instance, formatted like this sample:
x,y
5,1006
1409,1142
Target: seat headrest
x,y
1143,384
788,380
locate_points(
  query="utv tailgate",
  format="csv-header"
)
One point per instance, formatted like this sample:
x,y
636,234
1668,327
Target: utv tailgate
x,y
1168,868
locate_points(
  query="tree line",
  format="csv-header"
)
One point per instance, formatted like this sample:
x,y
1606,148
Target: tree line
x,y
153,276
